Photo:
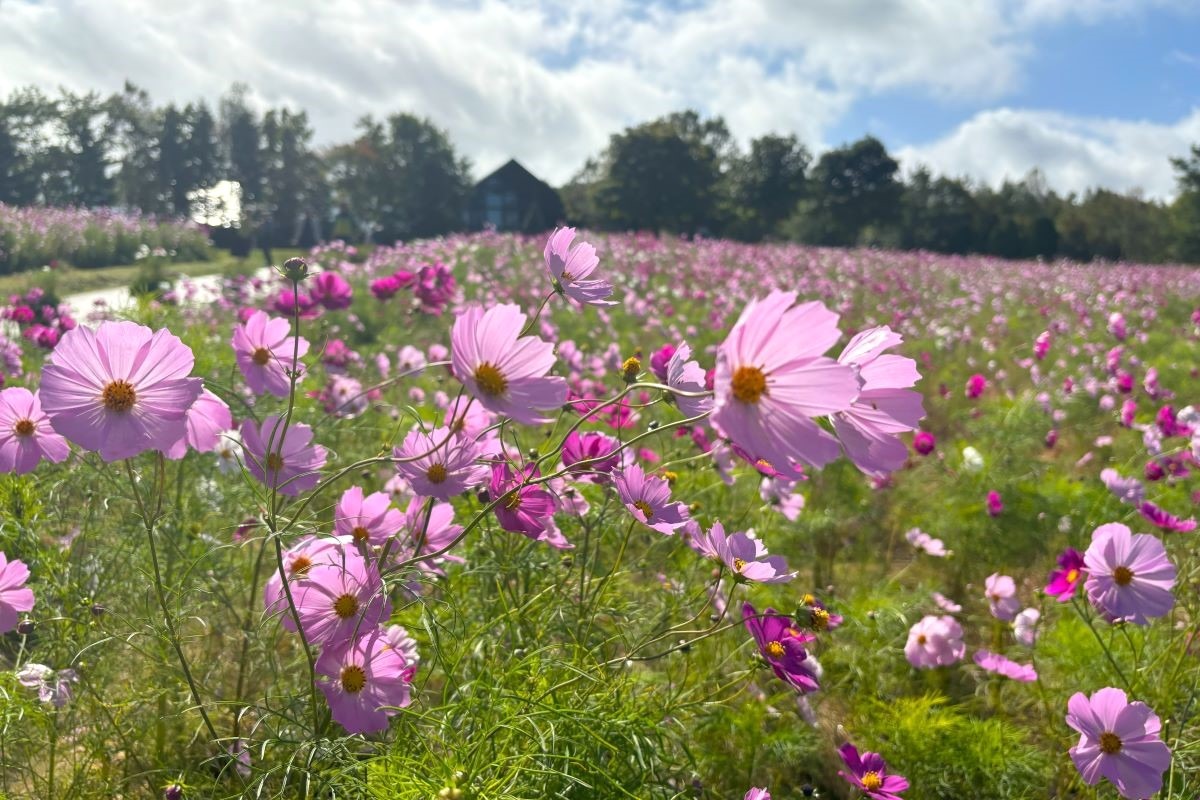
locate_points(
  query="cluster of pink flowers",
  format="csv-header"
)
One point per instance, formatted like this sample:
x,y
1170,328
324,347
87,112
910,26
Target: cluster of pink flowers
x,y
38,319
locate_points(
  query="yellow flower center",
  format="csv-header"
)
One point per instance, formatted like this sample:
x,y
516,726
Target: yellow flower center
x,y
513,501
631,367
345,606
436,473
24,427
1123,576
644,507
749,384
670,476
360,533
1110,743
353,678
261,356
300,565
1072,575
119,396
775,649
820,619
490,381
871,781
739,564
274,462
807,600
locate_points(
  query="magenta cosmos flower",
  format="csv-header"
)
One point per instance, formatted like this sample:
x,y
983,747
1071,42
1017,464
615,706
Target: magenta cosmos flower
x,y
1164,519
528,509
885,405
924,442
935,642
369,519
25,433
1063,581
15,598
367,681
757,794
1129,576
440,463
293,463
772,378
600,450
781,643
505,371
648,499
266,351
332,291
119,390
1001,592
1118,740
868,772
336,601
570,267
994,662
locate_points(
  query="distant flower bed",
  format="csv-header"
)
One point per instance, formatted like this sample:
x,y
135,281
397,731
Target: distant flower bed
x,y
35,237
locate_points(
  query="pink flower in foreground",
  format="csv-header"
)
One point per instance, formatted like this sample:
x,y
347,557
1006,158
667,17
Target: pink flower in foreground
x,y
869,773
293,463
14,596
648,499
1118,740
570,267
439,464
119,390
369,519
505,371
772,379
26,436
935,642
1062,581
265,348
885,406
336,600
366,681
207,420
1129,576
994,662
1001,592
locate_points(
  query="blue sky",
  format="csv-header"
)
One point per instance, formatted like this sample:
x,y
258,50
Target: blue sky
x,y
1093,92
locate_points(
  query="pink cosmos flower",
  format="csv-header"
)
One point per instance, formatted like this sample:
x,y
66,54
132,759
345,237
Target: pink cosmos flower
x,y
14,596
648,499
995,505
119,390
207,421
293,463
781,643
369,519
332,291
772,379
994,662
1129,576
744,556
935,642
869,774
885,405
505,373
439,464
25,433
945,603
1127,490
976,385
924,442
264,348
1025,626
1164,519
781,494
1001,593
337,601
570,267
1041,345
529,509
598,448
1062,581
366,681
428,529
298,560
1118,740
53,686
687,376
757,794
923,541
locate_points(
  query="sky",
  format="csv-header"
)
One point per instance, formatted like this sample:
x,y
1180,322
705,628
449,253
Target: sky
x,y
1095,93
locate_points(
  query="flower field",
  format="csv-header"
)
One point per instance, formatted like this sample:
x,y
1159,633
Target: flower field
x,y
608,517
34,237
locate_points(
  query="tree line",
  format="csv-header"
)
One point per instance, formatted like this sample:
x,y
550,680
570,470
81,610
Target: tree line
x,y
400,177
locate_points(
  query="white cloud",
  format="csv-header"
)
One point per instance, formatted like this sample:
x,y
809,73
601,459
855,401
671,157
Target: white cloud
x,y
546,81
1074,153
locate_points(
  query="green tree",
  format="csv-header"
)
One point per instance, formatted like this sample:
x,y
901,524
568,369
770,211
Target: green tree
x,y
1186,208
854,193
134,130
937,214
242,142
766,184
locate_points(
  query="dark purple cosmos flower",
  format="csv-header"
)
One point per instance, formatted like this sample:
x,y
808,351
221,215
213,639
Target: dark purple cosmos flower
x,y
924,442
1164,519
528,509
1062,582
781,643
659,359
579,447
868,772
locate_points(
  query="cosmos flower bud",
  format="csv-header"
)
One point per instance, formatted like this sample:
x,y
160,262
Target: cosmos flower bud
x,y
295,269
